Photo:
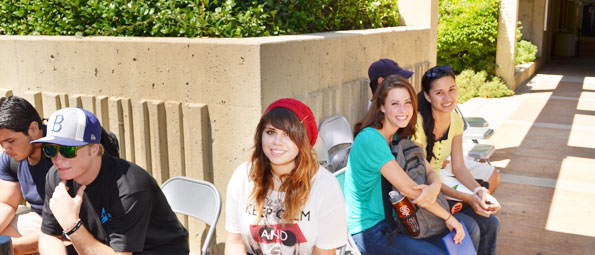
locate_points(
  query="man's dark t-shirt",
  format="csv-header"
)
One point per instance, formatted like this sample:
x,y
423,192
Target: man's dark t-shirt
x,y
130,213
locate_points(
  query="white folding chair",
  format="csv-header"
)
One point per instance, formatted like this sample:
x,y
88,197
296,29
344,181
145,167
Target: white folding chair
x,y
475,150
196,198
323,158
336,133
351,247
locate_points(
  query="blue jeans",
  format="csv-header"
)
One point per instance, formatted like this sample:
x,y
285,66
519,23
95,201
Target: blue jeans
x,y
374,241
489,227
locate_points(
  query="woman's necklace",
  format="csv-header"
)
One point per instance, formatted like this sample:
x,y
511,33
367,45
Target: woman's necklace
x,y
440,128
277,179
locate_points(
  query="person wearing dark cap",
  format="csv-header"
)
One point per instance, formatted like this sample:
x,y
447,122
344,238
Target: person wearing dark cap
x,y
282,201
382,68
102,204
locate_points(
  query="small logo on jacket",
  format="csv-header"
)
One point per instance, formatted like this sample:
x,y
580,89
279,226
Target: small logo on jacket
x,y
105,216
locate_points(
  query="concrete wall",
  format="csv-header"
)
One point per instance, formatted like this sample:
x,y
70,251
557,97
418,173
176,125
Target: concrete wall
x,y
531,15
189,107
506,42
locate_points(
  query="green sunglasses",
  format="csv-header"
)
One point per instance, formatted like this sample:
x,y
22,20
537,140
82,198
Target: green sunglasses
x,y
50,150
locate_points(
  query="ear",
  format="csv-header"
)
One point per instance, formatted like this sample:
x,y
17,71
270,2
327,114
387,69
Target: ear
x,y
94,149
34,130
380,79
382,108
427,97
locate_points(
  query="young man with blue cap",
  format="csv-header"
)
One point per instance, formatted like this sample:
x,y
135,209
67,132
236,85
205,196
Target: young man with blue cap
x,y
382,68
102,204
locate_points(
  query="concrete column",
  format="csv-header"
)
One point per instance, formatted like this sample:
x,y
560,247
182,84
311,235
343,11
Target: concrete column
x,y
422,13
506,45
537,33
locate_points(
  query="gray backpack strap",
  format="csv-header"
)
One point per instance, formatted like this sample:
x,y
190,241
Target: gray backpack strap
x,y
14,165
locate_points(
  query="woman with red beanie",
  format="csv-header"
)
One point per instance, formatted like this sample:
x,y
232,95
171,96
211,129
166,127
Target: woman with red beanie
x,y
282,201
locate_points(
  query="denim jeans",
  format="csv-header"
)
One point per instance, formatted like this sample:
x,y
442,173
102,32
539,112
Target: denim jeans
x,y
374,242
489,227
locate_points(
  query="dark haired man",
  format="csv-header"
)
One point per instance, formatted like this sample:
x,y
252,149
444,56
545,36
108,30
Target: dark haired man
x,y
22,173
382,68
103,204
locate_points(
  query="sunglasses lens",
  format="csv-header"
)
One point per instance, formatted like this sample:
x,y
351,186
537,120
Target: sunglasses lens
x,y
50,150
68,151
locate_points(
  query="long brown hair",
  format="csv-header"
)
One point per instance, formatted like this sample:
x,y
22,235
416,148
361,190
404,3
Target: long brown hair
x,y
297,184
375,116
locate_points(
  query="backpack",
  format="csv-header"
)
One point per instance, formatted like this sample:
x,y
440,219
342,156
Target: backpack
x,y
108,139
411,158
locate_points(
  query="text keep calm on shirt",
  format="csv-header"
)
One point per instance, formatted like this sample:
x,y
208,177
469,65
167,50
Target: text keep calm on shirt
x,y
321,223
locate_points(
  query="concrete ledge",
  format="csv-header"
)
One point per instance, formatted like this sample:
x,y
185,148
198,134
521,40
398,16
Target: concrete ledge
x,y
524,72
189,106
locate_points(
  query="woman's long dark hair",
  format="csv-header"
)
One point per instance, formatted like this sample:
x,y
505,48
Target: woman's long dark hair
x,y
425,108
375,116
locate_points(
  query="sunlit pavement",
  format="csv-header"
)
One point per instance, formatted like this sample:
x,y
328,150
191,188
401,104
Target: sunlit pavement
x,y
545,148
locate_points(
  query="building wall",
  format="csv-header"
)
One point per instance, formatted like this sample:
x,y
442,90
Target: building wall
x,y
189,106
531,15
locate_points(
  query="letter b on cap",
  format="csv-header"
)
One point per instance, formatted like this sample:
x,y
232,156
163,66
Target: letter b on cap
x,y
57,123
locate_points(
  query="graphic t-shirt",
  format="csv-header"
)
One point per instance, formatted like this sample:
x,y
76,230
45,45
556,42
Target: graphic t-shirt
x,y
322,222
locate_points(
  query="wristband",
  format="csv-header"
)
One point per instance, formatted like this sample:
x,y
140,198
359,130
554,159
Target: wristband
x,y
77,225
476,190
449,215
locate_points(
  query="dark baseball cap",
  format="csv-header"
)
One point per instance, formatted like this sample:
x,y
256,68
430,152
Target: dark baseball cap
x,y
385,67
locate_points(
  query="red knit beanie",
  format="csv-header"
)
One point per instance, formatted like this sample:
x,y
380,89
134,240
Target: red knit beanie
x,y
302,111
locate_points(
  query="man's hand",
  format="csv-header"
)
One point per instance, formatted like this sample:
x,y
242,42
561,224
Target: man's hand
x,y
64,207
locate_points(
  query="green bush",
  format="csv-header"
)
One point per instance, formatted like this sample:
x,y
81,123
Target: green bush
x,y
525,52
467,33
472,84
178,18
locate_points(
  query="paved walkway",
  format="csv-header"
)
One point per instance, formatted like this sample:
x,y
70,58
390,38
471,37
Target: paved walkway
x,y
545,147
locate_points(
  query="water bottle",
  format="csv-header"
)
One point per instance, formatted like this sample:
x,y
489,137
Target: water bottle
x,y
5,245
405,211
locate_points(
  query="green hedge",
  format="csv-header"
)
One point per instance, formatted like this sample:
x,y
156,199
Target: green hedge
x,y
472,84
205,18
525,52
467,33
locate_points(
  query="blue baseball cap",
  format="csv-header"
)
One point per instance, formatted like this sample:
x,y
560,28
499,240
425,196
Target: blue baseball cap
x,y
72,127
385,67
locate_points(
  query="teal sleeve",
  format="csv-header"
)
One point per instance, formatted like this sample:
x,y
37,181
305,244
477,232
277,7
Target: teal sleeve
x,y
371,151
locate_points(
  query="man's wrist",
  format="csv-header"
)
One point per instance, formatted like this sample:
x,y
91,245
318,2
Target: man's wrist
x,y
74,227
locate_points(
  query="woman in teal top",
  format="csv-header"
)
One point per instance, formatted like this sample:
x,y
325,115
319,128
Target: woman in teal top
x,y
392,113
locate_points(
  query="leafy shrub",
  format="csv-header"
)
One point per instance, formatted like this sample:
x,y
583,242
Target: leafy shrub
x,y
177,18
472,84
467,33
525,52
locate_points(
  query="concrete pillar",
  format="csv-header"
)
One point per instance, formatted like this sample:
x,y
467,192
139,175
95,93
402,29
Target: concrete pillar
x,y
538,32
506,45
422,13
